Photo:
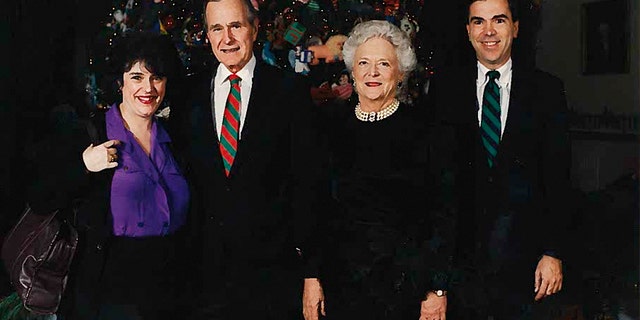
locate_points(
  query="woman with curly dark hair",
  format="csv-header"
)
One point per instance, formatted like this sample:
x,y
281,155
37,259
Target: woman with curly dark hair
x,y
135,197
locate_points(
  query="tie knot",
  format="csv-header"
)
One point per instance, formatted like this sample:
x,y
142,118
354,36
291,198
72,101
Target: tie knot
x,y
234,79
493,75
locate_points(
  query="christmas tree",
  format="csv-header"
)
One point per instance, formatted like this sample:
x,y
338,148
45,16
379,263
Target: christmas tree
x,y
284,26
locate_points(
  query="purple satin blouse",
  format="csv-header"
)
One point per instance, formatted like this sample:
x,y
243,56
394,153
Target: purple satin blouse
x,y
149,194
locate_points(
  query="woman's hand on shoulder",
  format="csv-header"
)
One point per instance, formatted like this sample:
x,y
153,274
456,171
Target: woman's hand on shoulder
x,y
100,157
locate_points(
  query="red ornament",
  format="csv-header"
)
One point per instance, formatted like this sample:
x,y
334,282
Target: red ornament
x,y
168,22
288,16
391,6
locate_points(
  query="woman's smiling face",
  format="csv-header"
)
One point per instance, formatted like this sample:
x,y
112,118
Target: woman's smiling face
x,y
376,72
142,91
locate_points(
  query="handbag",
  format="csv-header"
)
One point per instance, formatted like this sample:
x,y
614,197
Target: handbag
x,y
37,254
39,250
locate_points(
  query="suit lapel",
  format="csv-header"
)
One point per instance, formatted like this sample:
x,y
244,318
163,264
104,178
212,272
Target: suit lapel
x,y
211,104
517,114
257,112
472,104
205,136
252,108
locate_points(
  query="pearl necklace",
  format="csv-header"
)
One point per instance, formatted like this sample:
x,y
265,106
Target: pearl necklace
x,y
377,116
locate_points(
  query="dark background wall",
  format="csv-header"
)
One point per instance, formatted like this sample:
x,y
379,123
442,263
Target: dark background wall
x,y
562,44
41,42
44,44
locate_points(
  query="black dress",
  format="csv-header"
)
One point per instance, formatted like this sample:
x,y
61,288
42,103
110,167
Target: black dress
x,y
377,258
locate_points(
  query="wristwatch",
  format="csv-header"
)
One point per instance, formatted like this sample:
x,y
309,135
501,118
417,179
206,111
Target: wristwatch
x,y
440,293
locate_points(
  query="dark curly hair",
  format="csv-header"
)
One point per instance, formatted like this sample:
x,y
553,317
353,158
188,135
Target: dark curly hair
x,y
156,51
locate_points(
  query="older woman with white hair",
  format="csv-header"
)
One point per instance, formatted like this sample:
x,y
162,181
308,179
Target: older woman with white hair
x,y
378,263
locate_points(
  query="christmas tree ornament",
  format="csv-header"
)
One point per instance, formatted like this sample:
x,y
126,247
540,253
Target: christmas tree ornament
x,y
409,26
294,33
168,22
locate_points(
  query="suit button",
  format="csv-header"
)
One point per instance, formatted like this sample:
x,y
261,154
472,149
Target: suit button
x,y
227,189
211,218
221,224
99,247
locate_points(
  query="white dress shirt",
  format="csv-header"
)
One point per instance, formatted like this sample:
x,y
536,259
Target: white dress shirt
x,y
505,89
221,92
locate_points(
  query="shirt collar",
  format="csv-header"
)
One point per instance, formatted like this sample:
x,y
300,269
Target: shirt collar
x,y
505,73
246,73
117,131
115,125
161,134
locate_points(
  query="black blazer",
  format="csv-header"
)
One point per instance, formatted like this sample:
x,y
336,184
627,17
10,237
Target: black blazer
x,y
511,214
263,213
60,181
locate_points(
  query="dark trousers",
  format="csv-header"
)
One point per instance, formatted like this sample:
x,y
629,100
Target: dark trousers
x,y
263,293
139,282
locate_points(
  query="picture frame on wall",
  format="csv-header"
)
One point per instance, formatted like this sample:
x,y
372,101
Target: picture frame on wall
x,y
605,37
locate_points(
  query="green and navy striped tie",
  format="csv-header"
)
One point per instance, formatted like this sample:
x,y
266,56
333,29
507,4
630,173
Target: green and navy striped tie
x,y
230,124
490,124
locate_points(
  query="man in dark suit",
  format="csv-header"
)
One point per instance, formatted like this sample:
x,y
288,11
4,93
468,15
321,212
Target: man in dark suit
x,y
503,134
256,170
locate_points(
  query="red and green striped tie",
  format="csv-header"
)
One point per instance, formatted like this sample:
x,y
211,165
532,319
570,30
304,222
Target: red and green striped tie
x,y
230,124
490,124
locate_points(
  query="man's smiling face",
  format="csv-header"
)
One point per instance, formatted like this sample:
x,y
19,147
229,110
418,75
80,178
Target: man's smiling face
x,y
491,31
230,33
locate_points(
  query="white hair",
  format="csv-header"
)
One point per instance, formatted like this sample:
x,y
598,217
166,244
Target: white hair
x,y
381,29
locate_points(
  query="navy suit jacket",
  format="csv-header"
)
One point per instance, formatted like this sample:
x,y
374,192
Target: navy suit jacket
x,y
263,214
511,214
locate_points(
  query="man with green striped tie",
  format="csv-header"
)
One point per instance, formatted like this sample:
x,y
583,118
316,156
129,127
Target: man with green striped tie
x,y
510,156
